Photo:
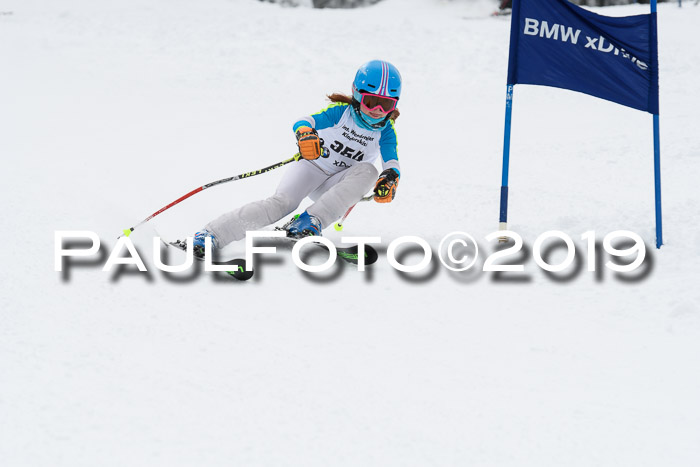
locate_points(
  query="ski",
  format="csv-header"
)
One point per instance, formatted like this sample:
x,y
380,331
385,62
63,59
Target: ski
x,y
349,254
237,272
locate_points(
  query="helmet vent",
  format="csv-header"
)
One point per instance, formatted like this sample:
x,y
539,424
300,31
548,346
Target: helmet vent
x,y
372,86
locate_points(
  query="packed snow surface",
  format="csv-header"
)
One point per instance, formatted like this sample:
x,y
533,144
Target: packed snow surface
x,y
110,110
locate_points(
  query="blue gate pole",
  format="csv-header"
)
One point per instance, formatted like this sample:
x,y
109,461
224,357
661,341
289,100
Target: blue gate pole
x,y
657,169
503,217
657,183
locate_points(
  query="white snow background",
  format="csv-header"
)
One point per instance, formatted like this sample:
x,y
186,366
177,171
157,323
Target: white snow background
x,y
110,110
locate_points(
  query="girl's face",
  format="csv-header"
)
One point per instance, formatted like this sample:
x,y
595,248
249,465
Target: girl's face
x,y
376,113
376,106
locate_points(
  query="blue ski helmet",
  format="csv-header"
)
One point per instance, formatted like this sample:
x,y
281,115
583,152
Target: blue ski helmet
x,y
379,78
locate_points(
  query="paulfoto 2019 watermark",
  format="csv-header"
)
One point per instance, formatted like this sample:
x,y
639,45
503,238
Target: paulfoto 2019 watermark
x,y
457,251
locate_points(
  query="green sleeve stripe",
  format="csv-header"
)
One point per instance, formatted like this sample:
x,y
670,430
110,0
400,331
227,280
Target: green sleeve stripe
x,y
333,104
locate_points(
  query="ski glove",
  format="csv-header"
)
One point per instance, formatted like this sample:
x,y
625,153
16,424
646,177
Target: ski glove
x,y
308,142
385,188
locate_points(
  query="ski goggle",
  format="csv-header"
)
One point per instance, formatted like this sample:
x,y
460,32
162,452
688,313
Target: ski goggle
x,y
372,102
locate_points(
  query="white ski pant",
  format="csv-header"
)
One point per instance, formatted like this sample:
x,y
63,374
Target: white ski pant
x,y
332,196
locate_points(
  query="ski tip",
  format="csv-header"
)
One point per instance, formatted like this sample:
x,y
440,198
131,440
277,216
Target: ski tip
x,y
239,272
371,255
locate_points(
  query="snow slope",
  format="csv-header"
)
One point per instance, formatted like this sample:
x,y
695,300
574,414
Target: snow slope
x,y
111,110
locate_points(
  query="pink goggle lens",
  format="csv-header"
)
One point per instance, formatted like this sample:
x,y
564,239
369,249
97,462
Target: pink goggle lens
x,y
372,102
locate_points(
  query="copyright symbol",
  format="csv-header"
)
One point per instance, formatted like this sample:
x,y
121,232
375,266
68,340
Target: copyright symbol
x,y
461,250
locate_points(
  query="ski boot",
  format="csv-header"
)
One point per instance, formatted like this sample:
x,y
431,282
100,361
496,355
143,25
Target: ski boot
x,y
304,225
198,244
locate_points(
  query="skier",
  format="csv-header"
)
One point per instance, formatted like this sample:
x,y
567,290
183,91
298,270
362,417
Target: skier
x,y
504,8
338,146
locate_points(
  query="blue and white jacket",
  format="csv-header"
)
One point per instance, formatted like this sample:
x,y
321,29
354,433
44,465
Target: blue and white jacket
x,y
345,143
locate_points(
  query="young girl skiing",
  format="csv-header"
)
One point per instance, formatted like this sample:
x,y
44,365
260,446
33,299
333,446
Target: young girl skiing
x,y
338,147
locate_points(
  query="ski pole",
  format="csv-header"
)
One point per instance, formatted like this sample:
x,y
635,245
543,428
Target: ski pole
x,y
296,157
339,225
